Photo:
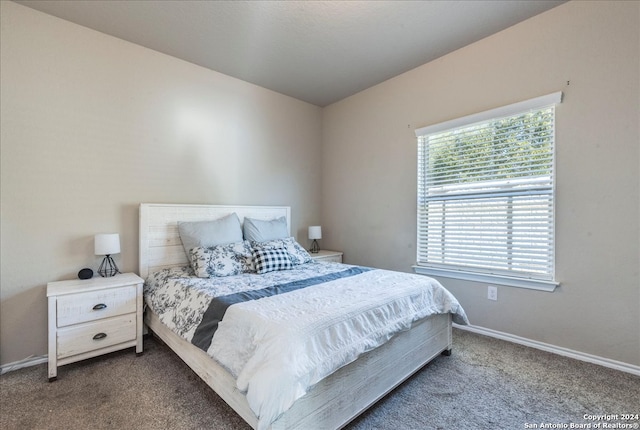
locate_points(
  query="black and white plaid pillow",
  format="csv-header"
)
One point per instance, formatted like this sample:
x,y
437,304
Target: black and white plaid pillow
x,y
270,260
297,253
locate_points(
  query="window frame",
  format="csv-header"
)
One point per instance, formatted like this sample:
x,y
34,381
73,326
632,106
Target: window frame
x,y
521,280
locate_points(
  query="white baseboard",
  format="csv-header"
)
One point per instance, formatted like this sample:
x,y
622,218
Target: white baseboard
x,y
26,362
606,362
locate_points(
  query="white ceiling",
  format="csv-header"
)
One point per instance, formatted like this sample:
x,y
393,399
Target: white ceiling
x,y
316,51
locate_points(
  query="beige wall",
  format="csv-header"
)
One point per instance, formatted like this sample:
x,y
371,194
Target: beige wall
x,y
92,126
369,173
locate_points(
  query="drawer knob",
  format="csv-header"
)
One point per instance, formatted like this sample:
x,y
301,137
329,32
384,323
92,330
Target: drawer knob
x,y
99,336
99,306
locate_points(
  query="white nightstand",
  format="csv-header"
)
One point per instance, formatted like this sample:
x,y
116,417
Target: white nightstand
x,y
94,316
326,255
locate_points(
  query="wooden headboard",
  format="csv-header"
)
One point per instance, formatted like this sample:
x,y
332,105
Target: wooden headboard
x,y
160,244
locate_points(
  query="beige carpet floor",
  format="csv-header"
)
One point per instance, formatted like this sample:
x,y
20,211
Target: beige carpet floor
x,y
485,384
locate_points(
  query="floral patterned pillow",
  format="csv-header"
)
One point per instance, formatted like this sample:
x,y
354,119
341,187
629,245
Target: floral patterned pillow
x,y
297,253
222,260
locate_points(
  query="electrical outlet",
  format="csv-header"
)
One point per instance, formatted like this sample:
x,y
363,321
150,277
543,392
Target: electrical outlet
x,y
492,292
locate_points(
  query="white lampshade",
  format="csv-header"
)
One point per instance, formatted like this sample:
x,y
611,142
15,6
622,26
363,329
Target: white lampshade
x,y
315,232
107,244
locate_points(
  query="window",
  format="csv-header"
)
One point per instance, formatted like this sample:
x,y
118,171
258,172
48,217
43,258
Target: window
x,y
486,196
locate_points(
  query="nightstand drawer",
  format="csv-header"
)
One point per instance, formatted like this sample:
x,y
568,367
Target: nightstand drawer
x,y
326,256
333,258
95,335
92,305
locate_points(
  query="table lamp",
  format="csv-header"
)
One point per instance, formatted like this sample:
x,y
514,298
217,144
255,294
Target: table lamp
x,y
107,245
315,232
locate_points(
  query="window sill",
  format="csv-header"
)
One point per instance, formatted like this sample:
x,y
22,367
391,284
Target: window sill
x,y
531,284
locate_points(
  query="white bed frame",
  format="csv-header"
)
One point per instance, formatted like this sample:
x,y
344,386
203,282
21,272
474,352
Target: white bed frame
x,y
334,401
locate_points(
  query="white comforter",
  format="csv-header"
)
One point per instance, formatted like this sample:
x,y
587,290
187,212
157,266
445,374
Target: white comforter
x,y
280,346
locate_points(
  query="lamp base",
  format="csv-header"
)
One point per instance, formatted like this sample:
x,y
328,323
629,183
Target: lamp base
x,y
314,247
108,267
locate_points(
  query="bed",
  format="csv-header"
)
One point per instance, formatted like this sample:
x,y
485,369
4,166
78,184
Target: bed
x,y
328,403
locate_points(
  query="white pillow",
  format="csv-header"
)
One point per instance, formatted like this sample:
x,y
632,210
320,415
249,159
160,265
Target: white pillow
x,y
257,230
210,233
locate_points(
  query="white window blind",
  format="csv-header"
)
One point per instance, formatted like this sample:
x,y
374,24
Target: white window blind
x,y
486,192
